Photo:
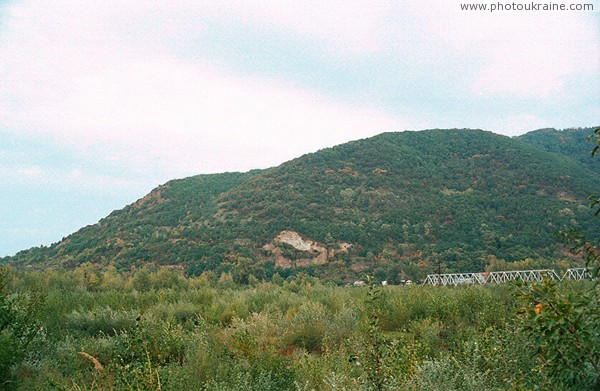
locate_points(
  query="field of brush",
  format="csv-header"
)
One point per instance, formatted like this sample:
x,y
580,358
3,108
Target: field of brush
x,y
80,331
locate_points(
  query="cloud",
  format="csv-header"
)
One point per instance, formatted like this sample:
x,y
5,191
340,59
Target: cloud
x,y
535,58
98,80
348,27
526,55
40,177
184,113
516,124
106,78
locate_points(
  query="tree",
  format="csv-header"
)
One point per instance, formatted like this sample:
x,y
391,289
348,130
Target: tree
x,y
563,326
18,325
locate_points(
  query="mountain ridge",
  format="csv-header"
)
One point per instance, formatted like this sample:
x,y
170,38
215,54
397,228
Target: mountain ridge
x,y
567,142
397,204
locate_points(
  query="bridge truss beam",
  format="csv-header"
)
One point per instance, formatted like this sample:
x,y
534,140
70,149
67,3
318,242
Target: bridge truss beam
x,y
501,277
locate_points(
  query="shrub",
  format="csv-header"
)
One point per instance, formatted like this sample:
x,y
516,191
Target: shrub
x,y
563,326
103,320
19,325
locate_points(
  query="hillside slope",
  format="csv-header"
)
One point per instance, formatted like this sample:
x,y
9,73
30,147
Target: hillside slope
x,y
567,142
395,204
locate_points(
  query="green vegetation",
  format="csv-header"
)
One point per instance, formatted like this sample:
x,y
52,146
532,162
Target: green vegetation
x,y
567,142
563,328
237,322
102,333
18,325
405,205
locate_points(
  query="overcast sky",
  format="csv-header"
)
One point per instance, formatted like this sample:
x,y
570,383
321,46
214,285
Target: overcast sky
x,y
101,101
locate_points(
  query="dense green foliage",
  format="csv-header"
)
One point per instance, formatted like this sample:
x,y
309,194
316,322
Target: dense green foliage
x,y
408,203
127,317
563,328
567,142
97,331
18,325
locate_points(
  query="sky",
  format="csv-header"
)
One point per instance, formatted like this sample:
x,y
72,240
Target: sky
x,y
102,101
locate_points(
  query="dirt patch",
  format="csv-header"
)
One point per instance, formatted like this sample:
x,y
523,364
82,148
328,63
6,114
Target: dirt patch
x,y
316,253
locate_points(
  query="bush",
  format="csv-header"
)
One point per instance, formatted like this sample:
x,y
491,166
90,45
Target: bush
x,y
99,321
563,326
19,325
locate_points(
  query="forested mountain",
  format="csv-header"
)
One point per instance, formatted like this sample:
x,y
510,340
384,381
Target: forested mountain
x,y
397,204
568,142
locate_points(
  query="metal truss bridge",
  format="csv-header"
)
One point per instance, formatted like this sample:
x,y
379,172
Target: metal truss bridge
x,y
455,279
